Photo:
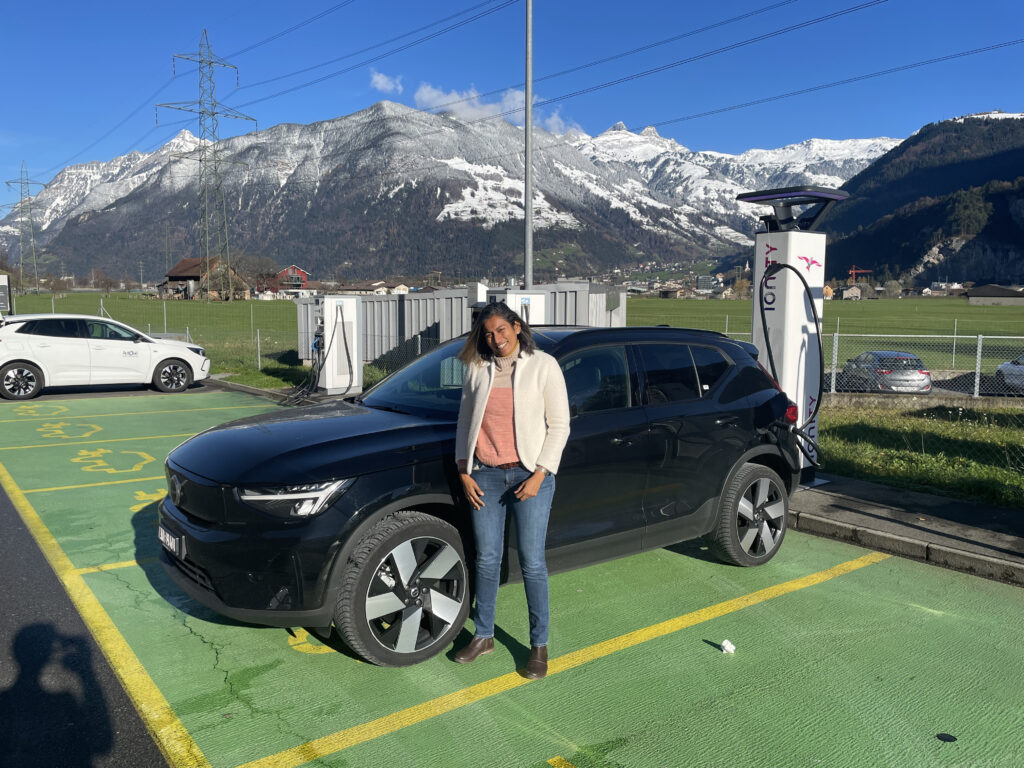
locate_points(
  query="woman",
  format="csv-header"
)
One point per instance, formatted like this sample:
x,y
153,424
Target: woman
x,y
513,425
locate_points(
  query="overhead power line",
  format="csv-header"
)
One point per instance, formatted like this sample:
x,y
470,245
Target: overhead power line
x,y
368,48
152,97
837,83
622,55
689,59
393,51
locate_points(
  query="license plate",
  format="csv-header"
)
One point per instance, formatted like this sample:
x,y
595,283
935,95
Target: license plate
x,y
172,543
904,389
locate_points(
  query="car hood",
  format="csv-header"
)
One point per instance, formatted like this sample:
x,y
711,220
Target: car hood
x,y
312,444
176,344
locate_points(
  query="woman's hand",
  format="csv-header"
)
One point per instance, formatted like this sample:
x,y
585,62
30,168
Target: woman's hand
x,y
472,490
530,487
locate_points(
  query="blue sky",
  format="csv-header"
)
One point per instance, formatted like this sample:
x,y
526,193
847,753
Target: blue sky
x,y
81,80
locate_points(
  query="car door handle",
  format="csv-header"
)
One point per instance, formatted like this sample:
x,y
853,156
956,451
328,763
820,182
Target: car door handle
x,y
621,441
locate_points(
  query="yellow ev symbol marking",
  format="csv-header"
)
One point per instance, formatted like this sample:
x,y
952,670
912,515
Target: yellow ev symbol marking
x,y
57,429
40,409
303,642
95,462
147,499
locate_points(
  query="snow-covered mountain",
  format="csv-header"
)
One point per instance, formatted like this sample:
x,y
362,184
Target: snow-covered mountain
x,y
706,183
391,189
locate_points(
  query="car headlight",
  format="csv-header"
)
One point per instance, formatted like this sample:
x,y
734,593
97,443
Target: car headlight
x,y
291,501
198,350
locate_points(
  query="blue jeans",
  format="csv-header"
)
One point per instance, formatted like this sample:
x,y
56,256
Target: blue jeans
x,y
531,521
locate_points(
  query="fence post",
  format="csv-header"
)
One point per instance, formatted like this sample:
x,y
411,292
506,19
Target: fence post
x,y
53,309
101,307
953,364
726,325
977,370
835,359
251,321
259,357
164,302
188,336
419,345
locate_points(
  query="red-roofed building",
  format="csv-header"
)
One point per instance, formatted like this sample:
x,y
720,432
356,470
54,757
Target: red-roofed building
x,y
292,279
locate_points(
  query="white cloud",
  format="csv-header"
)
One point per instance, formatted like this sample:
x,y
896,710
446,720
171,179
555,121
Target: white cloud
x,y
466,105
557,125
384,83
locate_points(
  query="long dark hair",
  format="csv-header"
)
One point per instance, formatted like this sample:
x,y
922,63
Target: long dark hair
x,y
476,349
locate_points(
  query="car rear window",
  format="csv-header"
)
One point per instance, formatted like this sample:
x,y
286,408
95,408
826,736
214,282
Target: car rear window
x,y
901,363
711,366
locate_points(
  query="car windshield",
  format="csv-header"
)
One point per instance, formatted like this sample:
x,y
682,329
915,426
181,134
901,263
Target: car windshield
x,y
901,363
429,386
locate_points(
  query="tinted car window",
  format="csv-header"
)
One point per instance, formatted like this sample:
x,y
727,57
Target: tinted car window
x,y
669,375
430,386
62,327
711,366
597,379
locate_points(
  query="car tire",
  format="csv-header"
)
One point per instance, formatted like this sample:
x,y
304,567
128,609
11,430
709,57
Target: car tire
x,y
172,376
20,381
404,594
753,514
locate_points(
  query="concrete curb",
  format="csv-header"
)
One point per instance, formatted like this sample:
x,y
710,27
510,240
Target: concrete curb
x,y
973,563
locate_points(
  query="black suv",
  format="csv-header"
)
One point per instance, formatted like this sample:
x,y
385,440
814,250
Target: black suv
x,y
351,513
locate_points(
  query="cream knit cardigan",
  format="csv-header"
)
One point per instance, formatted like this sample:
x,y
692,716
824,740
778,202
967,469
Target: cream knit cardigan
x,y
541,410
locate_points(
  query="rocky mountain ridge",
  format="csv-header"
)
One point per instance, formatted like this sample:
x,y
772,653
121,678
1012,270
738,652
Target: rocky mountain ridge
x,y
392,190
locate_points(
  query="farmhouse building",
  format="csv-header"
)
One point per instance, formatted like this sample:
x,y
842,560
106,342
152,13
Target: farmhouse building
x,y
988,295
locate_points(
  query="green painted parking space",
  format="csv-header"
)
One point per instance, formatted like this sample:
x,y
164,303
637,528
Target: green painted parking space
x,y
844,657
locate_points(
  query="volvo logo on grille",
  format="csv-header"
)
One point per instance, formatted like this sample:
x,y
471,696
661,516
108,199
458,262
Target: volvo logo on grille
x,y
177,486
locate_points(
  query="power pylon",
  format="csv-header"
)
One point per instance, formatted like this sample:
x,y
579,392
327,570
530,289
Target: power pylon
x,y
26,227
213,207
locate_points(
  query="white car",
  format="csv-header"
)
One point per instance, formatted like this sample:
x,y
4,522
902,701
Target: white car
x,y
1010,375
38,351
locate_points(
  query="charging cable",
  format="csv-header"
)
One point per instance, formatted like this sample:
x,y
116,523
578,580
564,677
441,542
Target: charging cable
x,y
804,439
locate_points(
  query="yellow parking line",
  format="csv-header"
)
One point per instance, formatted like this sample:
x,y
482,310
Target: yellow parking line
x,y
134,413
93,442
113,566
167,730
382,726
92,485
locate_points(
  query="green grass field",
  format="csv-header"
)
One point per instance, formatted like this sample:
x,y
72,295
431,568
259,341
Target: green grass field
x,y
938,316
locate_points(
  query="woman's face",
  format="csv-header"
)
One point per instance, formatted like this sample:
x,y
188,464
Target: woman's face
x,y
500,336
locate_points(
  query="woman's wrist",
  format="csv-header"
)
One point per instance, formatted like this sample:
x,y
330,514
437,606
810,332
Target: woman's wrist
x,y
463,466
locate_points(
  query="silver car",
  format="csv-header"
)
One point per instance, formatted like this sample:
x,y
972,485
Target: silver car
x,y
1010,375
886,371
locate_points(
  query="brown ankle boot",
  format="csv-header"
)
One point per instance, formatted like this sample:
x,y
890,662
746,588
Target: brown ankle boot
x,y
537,666
478,646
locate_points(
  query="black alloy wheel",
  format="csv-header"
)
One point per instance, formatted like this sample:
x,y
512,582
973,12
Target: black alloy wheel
x,y
753,515
20,381
172,376
405,591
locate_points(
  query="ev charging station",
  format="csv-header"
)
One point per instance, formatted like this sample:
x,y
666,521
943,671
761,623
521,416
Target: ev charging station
x,y
529,305
787,309
341,369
